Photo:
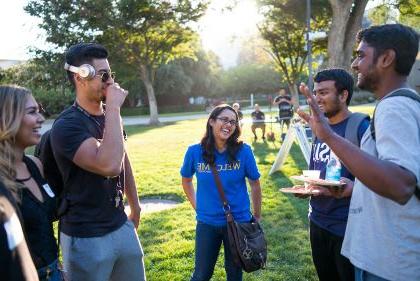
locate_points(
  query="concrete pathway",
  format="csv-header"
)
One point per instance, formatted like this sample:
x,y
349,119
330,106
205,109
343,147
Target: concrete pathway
x,y
139,120
154,205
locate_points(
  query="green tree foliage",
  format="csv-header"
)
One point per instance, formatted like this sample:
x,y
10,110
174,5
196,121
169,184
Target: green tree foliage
x,y
245,79
380,15
144,34
284,28
253,51
205,72
403,11
47,82
175,80
409,13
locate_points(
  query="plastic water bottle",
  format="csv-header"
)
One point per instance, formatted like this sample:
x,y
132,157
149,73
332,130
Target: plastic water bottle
x,y
333,172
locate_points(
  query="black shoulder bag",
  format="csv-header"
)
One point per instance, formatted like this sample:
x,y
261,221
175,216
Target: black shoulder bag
x,y
246,240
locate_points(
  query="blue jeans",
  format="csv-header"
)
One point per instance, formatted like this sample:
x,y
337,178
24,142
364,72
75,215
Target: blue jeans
x,y
50,272
362,275
208,239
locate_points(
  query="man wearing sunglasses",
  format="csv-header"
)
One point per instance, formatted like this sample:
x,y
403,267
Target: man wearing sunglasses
x,y
97,239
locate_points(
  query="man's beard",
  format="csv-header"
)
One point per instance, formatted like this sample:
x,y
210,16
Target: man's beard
x,y
369,81
335,110
332,113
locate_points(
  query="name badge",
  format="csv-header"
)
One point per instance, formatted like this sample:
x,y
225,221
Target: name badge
x,y
14,232
48,190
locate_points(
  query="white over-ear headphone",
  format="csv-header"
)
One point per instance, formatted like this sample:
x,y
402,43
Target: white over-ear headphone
x,y
86,71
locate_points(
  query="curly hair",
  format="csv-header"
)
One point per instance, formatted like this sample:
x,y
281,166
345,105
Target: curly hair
x,y
12,109
208,142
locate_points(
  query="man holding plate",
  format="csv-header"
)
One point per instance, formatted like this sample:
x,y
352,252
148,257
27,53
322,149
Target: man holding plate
x,y
329,204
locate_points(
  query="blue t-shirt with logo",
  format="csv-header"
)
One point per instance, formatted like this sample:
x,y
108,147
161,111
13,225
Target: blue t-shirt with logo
x,y
209,207
328,212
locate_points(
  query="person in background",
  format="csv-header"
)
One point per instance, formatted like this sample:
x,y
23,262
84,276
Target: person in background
x,y
258,118
237,107
21,124
235,163
284,102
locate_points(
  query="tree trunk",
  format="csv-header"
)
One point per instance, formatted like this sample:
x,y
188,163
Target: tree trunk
x,y
146,77
346,21
295,95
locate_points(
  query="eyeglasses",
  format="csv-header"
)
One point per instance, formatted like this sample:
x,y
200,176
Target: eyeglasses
x,y
227,121
106,75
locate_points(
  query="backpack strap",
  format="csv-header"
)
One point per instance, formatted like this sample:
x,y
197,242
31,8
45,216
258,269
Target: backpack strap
x,y
352,127
399,93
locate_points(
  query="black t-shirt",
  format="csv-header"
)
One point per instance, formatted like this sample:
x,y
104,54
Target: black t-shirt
x,y
11,260
285,108
37,220
91,210
257,115
240,115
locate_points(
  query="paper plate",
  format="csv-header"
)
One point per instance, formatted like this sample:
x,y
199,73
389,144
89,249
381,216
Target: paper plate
x,y
320,182
298,190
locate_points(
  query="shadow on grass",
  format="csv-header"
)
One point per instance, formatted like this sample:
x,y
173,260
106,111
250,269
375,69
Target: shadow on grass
x,y
140,129
284,217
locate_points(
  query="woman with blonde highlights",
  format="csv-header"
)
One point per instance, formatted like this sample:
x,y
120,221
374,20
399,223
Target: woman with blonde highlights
x,y
20,124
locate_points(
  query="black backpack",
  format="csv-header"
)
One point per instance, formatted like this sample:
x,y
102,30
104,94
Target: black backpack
x,y
52,174
399,93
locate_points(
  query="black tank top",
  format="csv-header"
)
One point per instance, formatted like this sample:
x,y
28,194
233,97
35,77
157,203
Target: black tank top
x,y
38,220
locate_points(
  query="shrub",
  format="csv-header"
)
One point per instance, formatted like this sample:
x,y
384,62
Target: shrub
x,y
53,101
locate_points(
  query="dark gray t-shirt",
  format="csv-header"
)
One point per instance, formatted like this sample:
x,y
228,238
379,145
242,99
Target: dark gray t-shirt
x,y
91,210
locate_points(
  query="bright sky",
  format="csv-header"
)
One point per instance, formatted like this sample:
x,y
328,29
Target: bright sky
x,y
18,30
220,29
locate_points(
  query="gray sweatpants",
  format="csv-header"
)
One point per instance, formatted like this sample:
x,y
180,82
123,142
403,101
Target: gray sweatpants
x,y
116,256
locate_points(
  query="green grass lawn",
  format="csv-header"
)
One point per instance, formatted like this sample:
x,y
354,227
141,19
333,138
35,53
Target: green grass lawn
x,y
157,153
167,237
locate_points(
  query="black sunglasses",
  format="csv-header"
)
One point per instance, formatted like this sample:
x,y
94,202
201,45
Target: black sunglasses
x,y
106,75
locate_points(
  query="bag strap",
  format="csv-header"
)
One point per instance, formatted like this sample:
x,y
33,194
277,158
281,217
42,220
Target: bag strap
x,y
226,207
352,127
399,93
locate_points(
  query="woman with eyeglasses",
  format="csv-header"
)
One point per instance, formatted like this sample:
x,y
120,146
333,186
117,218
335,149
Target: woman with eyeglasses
x,y
19,129
234,162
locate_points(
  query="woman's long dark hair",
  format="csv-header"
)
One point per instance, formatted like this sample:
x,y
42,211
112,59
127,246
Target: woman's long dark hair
x,y
208,143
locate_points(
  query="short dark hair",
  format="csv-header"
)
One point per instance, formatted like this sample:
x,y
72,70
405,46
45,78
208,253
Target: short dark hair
x,y
84,53
400,38
343,80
